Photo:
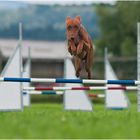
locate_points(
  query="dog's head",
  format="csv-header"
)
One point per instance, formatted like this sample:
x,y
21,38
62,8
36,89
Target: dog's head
x,y
73,27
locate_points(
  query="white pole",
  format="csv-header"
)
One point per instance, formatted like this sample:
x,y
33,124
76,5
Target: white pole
x,y
20,32
105,63
21,63
138,63
20,45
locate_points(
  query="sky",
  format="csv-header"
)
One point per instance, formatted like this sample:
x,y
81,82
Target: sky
x,y
64,2
15,4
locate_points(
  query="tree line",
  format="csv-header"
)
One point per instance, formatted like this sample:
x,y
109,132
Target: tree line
x,y
118,25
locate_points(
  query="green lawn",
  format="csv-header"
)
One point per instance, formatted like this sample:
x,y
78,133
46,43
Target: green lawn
x,y
49,120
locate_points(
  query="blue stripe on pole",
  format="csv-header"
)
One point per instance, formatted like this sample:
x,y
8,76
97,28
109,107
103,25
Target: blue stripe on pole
x,y
24,93
48,92
59,80
121,82
9,79
116,108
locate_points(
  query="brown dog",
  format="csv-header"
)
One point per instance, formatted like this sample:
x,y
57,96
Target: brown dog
x,y
79,44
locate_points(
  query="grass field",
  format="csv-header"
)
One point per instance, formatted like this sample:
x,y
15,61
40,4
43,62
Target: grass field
x,y
49,120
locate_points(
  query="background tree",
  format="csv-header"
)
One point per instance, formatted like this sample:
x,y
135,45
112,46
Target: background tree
x,y
119,27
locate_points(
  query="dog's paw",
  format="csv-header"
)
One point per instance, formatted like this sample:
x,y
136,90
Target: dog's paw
x,y
77,74
69,49
79,50
73,49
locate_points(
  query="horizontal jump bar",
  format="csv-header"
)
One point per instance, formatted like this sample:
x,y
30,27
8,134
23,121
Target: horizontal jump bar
x,y
59,93
82,88
61,80
43,92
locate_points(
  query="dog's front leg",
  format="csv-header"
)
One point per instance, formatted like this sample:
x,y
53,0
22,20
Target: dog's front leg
x,y
77,62
71,47
80,47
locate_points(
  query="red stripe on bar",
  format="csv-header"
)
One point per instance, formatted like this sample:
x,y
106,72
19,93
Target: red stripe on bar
x,y
44,88
80,88
117,88
93,95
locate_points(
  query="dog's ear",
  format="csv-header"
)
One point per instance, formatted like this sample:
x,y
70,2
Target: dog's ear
x,y
79,18
67,19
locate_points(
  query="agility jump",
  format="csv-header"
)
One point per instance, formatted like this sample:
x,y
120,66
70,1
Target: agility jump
x,y
13,75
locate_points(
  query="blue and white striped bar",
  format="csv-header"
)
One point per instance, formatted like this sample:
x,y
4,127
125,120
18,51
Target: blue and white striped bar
x,y
58,93
43,92
61,80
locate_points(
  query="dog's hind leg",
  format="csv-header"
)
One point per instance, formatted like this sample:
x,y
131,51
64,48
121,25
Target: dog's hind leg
x,y
89,72
88,63
77,62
